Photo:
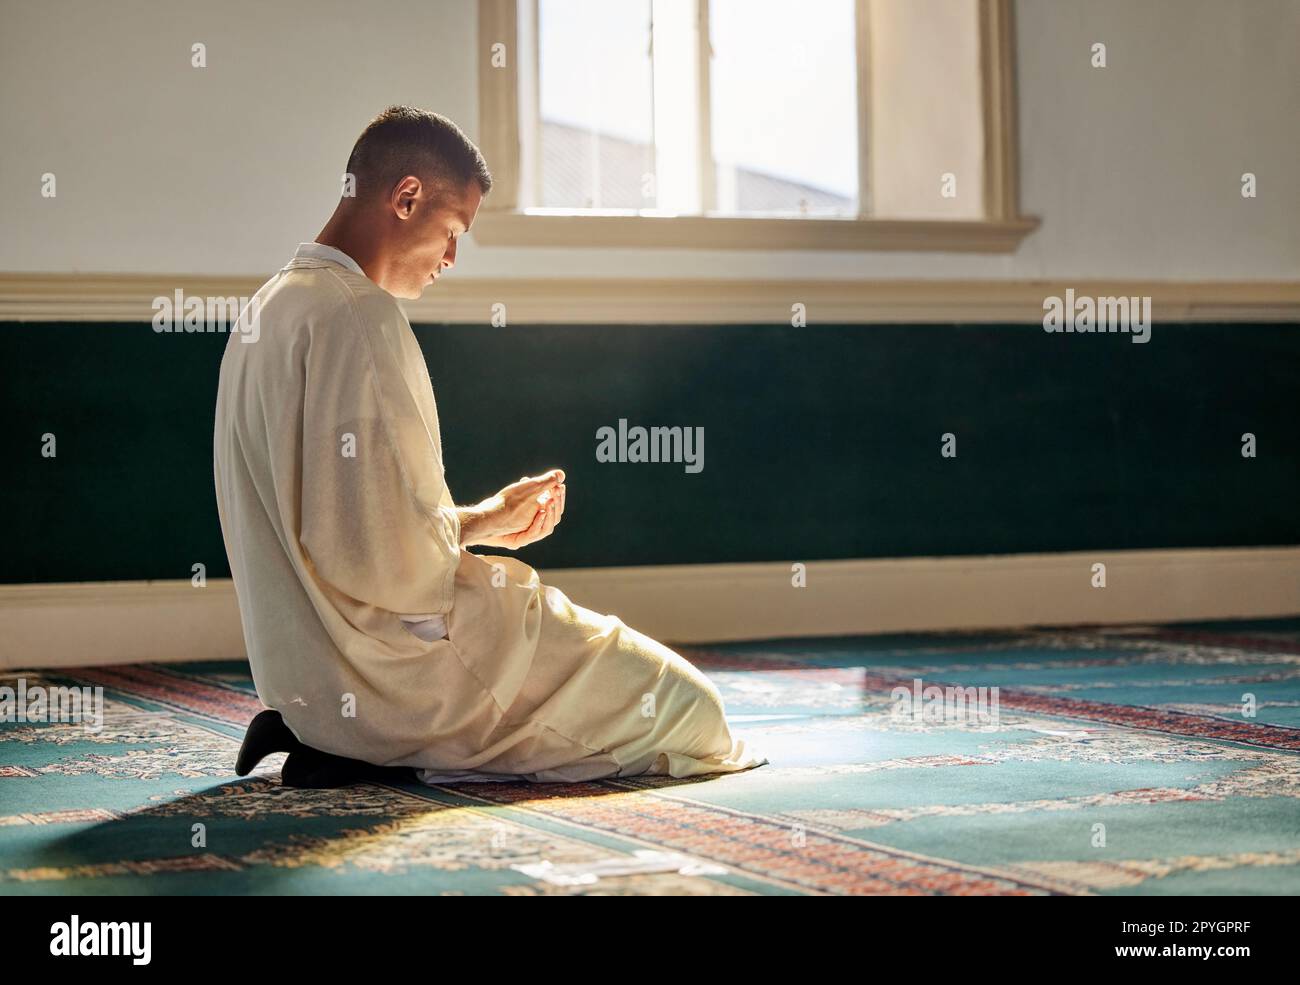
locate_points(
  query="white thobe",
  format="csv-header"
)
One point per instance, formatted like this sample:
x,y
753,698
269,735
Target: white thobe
x,y
344,545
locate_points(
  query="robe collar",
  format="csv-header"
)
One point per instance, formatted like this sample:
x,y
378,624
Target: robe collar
x,y
319,251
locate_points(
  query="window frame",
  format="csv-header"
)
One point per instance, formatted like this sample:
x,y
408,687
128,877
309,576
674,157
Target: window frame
x,y
501,222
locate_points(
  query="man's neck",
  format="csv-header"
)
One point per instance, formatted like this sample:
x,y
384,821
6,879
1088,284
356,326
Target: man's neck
x,y
343,234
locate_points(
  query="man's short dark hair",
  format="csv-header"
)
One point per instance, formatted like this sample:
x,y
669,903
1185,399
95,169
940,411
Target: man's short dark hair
x,y
404,140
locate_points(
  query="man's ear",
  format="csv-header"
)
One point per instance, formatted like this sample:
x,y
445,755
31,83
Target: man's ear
x,y
404,196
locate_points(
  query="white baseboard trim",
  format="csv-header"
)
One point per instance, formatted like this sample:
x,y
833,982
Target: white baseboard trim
x,y
69,625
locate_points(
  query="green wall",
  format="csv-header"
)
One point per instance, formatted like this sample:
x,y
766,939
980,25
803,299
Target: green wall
x,y
820,442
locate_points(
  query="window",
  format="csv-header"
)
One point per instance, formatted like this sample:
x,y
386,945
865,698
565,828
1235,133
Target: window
x,y
649,105
856,124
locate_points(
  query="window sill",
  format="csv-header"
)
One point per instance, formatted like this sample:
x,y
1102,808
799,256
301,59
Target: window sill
x,y
513,228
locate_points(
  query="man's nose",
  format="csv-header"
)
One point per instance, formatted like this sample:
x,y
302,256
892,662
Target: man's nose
x,y
449,258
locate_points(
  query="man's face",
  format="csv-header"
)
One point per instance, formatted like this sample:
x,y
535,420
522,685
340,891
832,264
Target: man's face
x,y
439,216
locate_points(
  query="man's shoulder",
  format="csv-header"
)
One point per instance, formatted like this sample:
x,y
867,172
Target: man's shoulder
x,y
330,293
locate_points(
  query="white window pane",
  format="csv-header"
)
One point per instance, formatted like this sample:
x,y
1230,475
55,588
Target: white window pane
x,y
784,110
596,104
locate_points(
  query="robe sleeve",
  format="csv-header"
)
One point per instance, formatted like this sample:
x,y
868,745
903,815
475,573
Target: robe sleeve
x,y
377,522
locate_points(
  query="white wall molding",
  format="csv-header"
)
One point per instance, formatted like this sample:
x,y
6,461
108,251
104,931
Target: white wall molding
x,y
466,300
125,622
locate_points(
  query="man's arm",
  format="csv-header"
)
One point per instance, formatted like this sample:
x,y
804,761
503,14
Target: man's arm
x,y
475,523
374,517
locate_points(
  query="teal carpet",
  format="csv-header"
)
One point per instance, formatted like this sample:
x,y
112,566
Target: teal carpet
x,y
1137,761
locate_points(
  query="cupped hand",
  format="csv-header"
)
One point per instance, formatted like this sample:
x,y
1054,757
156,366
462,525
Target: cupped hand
x,y
526,511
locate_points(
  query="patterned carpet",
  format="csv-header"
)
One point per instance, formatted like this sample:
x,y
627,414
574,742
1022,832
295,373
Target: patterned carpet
x,y
1117,762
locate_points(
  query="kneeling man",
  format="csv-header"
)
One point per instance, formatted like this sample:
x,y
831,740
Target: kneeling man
x,y
375,638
